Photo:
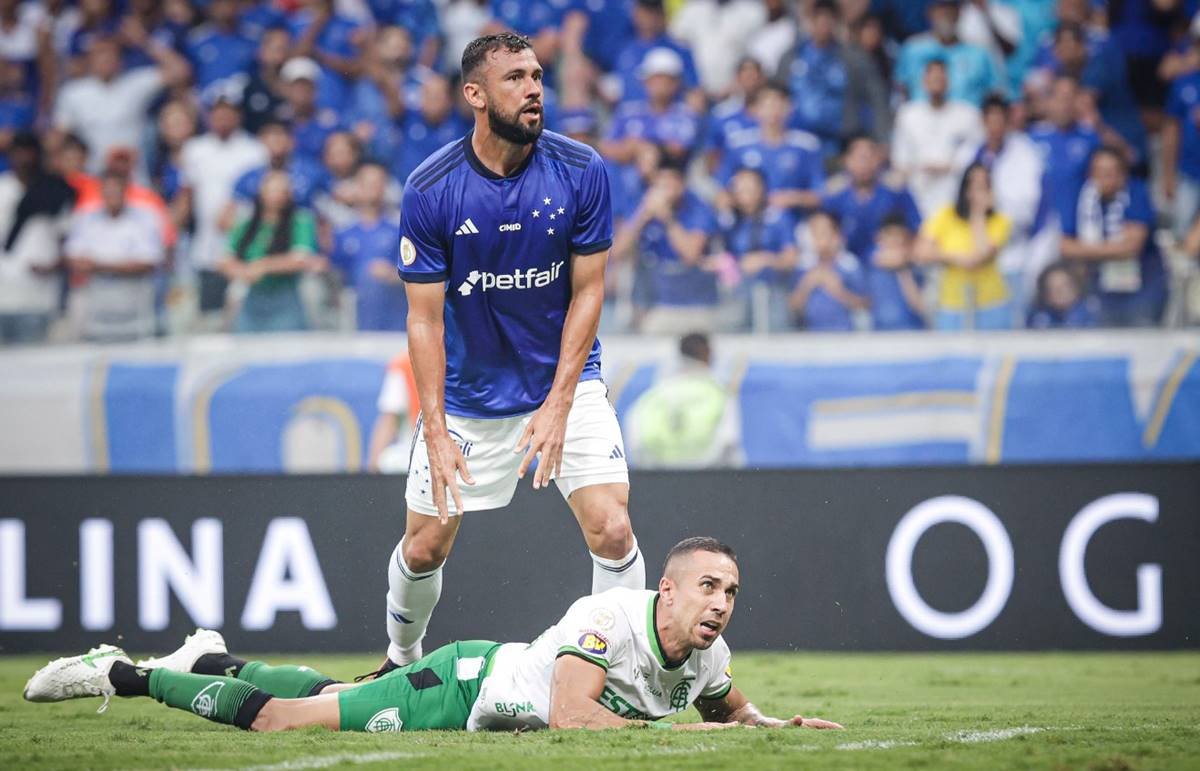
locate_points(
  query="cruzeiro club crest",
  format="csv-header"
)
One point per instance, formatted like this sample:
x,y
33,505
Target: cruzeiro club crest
x,y
385,721
679,696
205,703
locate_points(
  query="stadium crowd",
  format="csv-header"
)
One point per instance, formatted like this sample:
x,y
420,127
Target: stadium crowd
x,y
191,165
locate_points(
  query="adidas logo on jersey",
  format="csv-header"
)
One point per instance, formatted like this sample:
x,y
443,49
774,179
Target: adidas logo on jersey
x,y
518,279
467,229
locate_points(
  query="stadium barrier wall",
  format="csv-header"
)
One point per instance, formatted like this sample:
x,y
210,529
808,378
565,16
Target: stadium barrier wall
x,y
1020,558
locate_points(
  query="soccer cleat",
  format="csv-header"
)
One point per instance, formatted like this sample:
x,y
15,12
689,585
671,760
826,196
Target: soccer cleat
x,y
202,642
76,677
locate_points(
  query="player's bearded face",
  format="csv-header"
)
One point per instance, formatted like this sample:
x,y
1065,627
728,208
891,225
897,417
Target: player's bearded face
x,y
522,125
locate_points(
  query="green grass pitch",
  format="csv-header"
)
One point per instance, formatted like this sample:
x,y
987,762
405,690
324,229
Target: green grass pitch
x,y
1042,711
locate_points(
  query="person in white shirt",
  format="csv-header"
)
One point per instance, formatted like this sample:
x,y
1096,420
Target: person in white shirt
x,y
33,211
210,166
624,658
1017,168
928,137
115,251
109,107
718,34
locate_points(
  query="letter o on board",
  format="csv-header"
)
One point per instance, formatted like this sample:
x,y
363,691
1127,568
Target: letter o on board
x,y
913,525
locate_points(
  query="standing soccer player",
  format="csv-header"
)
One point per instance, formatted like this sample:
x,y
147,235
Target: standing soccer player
x,y
505,237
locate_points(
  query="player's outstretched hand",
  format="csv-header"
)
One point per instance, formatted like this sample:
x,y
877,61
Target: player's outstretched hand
x,y
446,464
813,722
544,435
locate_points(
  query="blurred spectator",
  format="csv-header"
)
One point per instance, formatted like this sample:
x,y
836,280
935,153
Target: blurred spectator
x,y
762,240
97,20
669,235
973,74
305,176
211,166
391,436
830,285
894,284
335,201
1017,170
1110,233
424,130
311,124
389,82
120,162
268,252
732,114
1184,57
718,33
835,90
112,253
869,35
263,98
176,125
321,34
861,198
993,26
25,42
1181,150
257,17
662,119
1142,30
17,108
650,32
1107,81
365,252
33,207
218,49
903,18
1065,145
70,162
776,37
1037,19
789,161
108,107
419,18
687,418
465,20
1061,301
965,239
1081,13
930,134
538,20
148,18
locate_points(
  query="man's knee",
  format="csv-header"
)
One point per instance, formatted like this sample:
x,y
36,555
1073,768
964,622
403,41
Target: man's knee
x,y
608,531
423,553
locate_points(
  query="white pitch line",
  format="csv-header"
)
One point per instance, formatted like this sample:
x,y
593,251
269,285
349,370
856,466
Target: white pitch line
x,y
332,760
999,735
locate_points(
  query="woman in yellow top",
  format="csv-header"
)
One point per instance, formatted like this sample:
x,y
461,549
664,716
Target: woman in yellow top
x,y
965,239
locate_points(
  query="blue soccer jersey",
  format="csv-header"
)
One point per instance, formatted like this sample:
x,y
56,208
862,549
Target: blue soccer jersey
x,y
502,246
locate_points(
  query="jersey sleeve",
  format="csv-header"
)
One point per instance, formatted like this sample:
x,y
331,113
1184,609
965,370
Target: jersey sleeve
x,y
1140,209
593,225
720,679
423,258
594,630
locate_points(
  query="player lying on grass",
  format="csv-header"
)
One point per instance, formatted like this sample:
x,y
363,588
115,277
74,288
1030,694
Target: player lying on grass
x,y
621,658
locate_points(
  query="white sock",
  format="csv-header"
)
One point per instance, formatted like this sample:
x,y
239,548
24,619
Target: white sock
x,y
629,571
410,601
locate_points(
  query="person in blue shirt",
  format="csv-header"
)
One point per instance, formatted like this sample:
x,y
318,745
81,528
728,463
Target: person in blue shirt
x,y
255,17
217,49
364,252
1107,80
662,119
1066,147
1061,302
894,284
650,32
505,235
311,124
790,161
862,198
1181,150
305,176
762,240
17,109
973,73
603,27
1111,234
669,235
418,18
390,83
421,131
333,41
263,95
830,286
1142,30
147,17
732,115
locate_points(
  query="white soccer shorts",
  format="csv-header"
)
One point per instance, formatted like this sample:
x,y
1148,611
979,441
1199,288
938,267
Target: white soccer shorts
x,y
593,454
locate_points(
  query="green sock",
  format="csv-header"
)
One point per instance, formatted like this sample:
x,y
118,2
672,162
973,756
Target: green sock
x,y
285,681
221,699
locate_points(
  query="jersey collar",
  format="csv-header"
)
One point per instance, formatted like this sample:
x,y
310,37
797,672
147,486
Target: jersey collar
x,y
655,643
484,171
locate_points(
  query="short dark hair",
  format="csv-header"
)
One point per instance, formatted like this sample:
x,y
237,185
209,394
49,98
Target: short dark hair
x,y
772,86
476,52
826,6
1070,30
698,543
937,61
695,345
894,219
994,101
1111,152
855,138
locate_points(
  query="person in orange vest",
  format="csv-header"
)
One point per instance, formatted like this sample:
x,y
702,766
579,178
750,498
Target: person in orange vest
x,y
392,434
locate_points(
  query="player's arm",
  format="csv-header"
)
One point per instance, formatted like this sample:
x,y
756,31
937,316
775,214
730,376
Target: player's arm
x,y
734,707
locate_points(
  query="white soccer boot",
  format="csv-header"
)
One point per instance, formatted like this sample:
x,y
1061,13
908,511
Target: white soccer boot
x,y
202,642
76,677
